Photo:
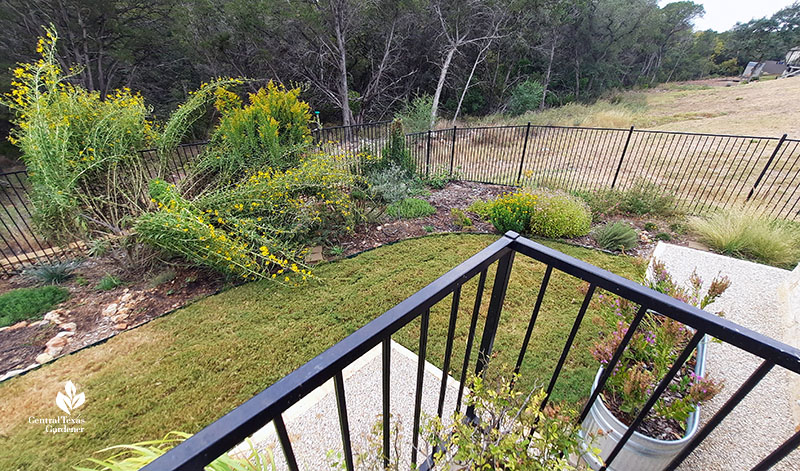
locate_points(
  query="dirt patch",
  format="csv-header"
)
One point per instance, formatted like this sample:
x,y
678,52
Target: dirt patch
x,y
85,319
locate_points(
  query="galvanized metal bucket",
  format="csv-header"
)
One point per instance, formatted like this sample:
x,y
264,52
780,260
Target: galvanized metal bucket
x,y
640,453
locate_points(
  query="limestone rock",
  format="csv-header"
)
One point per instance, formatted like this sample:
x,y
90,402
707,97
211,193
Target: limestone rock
x,y
110,310
69,326
44,358
57,342
18,325
55,316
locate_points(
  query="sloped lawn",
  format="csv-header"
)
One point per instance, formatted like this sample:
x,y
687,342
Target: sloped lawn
x,y
184,370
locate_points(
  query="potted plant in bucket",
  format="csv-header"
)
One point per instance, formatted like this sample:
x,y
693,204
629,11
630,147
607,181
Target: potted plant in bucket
x,y
653,348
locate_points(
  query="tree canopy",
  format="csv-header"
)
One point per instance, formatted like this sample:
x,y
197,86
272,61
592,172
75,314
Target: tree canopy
x,y
361,60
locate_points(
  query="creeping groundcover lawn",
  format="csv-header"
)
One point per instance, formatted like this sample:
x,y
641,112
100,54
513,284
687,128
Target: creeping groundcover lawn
x,y
184,370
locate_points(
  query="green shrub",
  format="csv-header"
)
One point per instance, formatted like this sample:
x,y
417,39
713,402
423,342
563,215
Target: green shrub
x,y
460,219
438,179
650,226
395,152
391,184
663,236
52,273
108,282
71,139
616,236
428,228
416,115
641,199
748,234
525,96
28,303
269,132
647,198
410,208
257,228
481,208
540,212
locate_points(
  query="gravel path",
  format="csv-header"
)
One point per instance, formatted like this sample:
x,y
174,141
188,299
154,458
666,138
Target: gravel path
x,y
764,419
313,423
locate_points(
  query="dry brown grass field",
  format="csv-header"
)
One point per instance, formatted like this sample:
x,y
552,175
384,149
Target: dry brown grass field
x,y
734,131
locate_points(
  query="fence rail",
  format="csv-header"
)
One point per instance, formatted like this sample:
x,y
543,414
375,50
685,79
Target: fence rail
x,y
269,405
703,171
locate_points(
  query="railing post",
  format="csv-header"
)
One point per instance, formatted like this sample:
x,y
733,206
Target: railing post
x,y
622,157
493,314
428,155
766,167
524,149
453,151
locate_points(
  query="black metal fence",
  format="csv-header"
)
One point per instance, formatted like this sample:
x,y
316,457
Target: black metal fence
x,y
702,171
269,405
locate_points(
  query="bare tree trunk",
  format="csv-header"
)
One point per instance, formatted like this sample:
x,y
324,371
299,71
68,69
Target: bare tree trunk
x,y
439,86
469,80
547,74
347,115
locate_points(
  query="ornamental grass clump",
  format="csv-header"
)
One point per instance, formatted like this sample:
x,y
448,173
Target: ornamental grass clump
x,y
653,349
750,235
544,213
616,236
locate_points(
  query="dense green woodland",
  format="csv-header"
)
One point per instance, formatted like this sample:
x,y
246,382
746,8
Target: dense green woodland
x,y
360,60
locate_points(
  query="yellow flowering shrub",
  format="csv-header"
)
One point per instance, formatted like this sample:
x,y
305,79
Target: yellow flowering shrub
x,y
71,141
270,131
540,212
256,228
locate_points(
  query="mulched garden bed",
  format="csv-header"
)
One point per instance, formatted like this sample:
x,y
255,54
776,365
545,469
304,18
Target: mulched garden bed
x,y
98,315
85,318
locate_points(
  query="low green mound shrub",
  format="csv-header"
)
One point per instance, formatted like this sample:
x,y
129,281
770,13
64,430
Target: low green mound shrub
x,y
481,208
28,303
391,184
748,234
616,236
540,212
460,218
641,199
665,236
410,208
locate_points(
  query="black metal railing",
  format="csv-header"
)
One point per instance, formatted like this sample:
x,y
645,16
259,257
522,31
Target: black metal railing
x,y
701,171
269,405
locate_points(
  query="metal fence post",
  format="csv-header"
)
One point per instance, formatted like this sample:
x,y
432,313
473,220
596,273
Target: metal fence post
x,y
524,149
428,156
766,167
453,151
622,157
